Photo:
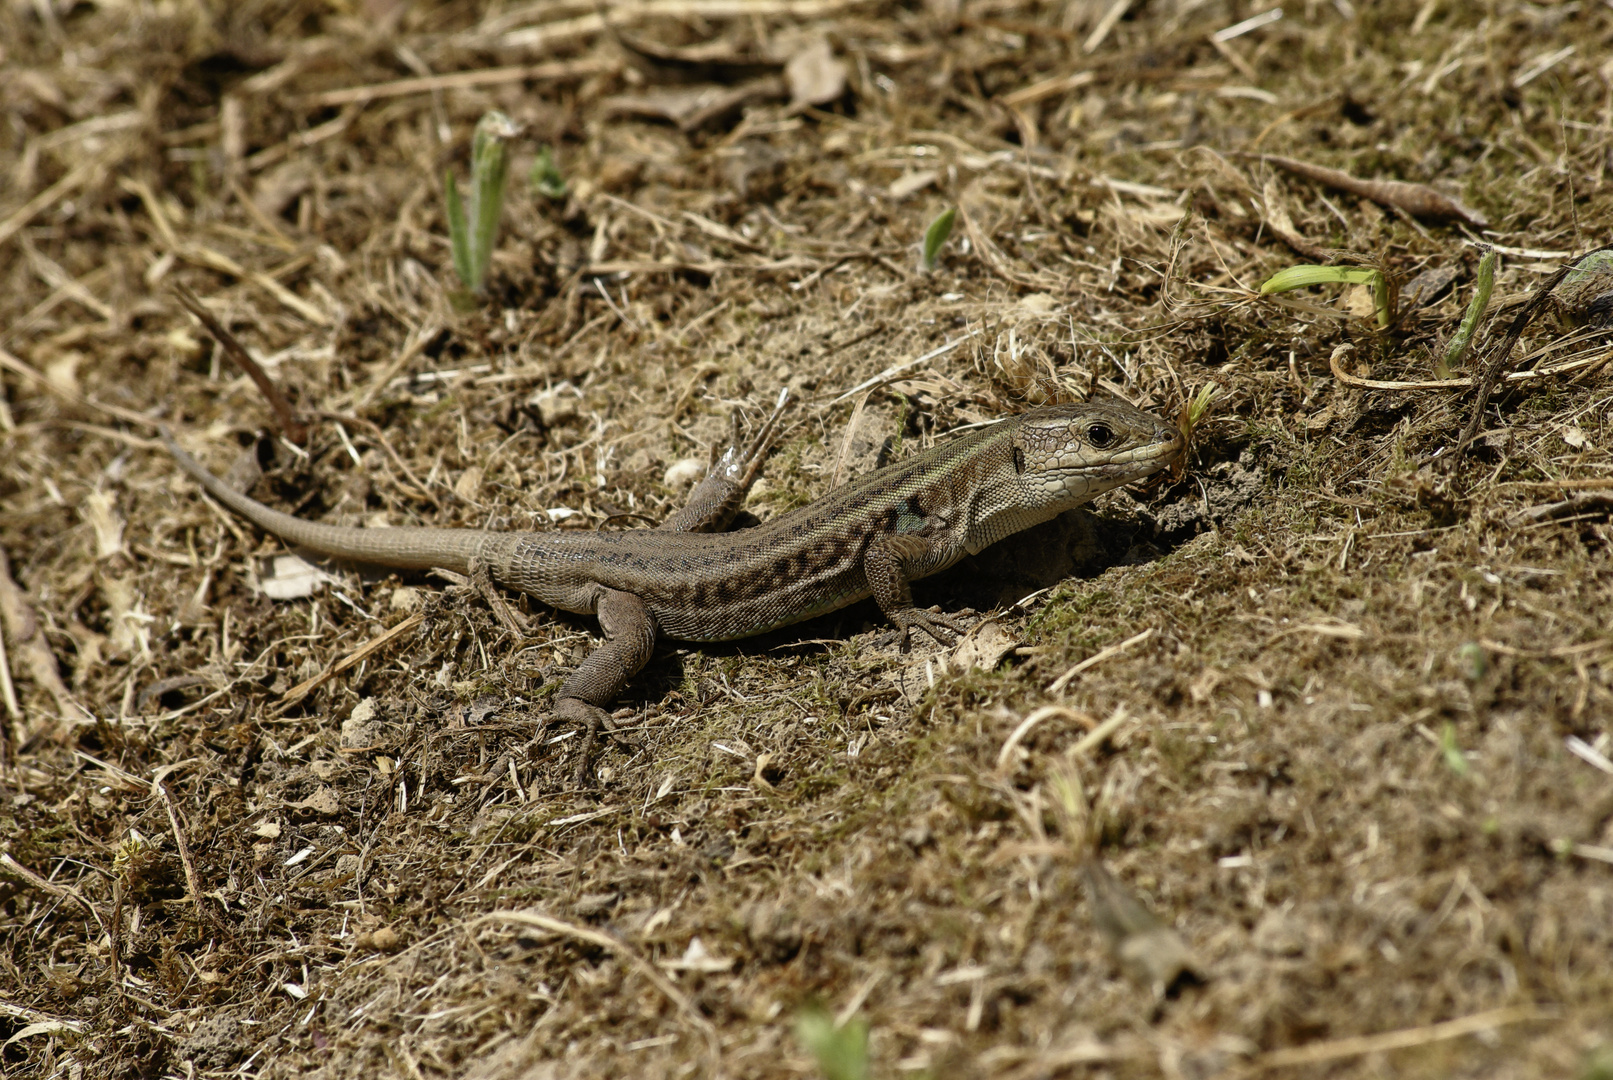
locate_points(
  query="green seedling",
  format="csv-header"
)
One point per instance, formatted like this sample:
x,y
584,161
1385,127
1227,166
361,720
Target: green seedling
x,y
545,177
935,237
1463,338
1455,760
1196,410
1298,277
1470,659
473,231
841,1052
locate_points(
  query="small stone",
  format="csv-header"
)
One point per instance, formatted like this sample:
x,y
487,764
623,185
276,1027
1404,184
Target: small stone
x,y
361,730
555,405
683,473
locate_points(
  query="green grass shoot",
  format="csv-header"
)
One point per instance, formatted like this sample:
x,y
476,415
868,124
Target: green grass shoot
x,y
1455,760
1456,351
935,237
841,1052
1195,410
1298,277
473,230
545,176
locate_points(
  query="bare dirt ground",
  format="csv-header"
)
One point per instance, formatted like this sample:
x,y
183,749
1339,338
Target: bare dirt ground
x,y
1351,665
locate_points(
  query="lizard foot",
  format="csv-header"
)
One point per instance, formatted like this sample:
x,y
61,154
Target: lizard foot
x,y
597,724
930,620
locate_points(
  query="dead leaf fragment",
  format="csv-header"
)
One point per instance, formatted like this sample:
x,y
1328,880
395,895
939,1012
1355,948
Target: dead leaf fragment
x,y
912,182
292,578
983,647
698,958
692,108
815,76
323,803
101,510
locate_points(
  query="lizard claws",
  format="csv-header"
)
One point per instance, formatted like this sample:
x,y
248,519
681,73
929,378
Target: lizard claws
x,y
930,620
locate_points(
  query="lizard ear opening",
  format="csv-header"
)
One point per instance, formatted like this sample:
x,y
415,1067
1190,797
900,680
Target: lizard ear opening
x,y
1019,459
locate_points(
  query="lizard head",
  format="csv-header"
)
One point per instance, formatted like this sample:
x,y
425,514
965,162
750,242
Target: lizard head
x,y
1066,454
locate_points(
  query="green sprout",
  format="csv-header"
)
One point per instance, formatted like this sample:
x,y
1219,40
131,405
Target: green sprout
x,y
1195,410
474,232
841,1052
1455,760
1298,277
545,177
935,237
1457,349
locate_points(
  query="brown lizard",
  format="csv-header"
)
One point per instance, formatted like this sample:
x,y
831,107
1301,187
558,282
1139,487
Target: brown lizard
x,y
689,580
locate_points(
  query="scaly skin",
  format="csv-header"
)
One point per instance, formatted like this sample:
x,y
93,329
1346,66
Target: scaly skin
x,y
870,537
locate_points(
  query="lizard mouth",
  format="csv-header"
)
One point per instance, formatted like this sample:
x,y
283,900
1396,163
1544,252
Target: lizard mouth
x,y
1163,450
1144,460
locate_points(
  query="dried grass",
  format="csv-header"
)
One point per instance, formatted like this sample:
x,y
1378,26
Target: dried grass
x,y
256,838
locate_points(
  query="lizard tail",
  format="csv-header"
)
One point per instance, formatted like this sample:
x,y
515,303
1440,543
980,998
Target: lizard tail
x,y
407,548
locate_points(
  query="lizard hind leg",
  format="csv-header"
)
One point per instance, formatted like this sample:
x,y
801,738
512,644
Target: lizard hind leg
x,y
629,640
716,499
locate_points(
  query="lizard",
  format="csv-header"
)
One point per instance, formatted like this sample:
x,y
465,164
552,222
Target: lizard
x,y
689,580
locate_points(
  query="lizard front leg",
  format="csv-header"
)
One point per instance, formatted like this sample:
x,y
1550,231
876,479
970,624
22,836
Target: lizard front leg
x,y
890,563
629,640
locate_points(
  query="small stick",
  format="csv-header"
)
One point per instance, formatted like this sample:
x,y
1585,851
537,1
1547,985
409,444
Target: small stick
x,y
1099,657
894,370
7,691
1025,725
61,892
1340,351
1357,1045
303,689
290,426
459,80
1418,200
27,212
191,881
1096,736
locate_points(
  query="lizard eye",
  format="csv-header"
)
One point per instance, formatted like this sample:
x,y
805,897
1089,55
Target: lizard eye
x,y
1100,435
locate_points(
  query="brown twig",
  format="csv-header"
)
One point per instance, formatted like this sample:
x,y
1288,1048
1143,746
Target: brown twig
x,y
290,426
303,689
192,882
61,892
1340,351
19,624
1579,504
1418,200
1358,1045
